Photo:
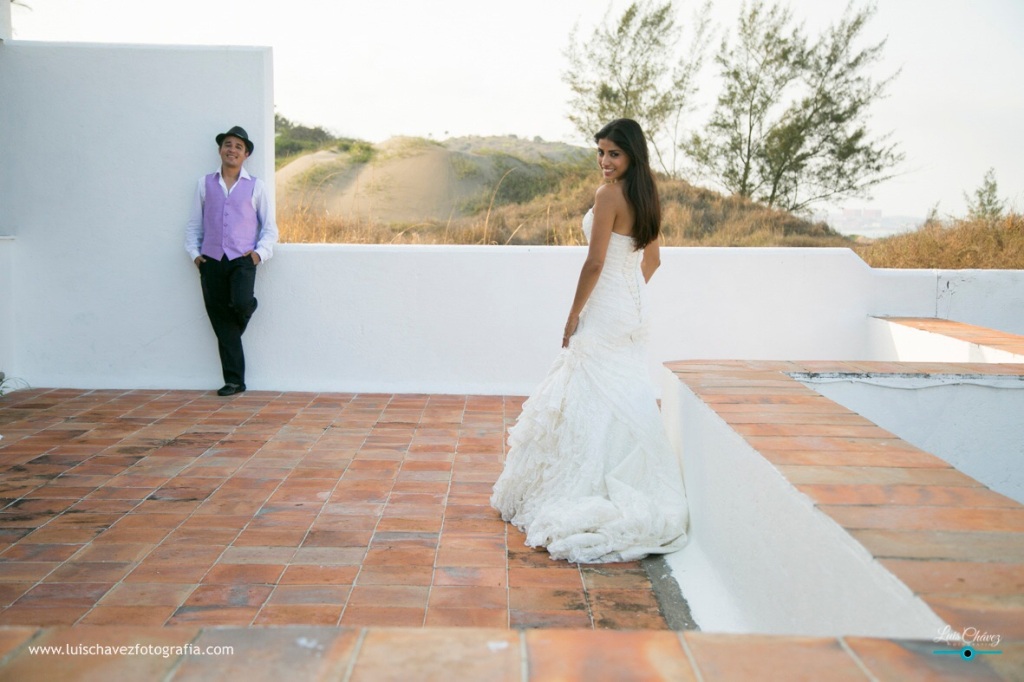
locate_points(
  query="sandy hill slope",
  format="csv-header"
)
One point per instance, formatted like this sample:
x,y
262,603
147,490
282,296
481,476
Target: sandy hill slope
x,y
410,180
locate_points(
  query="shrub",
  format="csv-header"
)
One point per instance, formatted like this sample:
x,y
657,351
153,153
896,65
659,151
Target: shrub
x,y
982,243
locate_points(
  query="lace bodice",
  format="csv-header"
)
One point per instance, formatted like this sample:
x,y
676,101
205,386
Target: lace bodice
x,y
620,248
620,293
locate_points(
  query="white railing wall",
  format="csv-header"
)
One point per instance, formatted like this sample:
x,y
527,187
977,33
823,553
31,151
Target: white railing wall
x,y
433,319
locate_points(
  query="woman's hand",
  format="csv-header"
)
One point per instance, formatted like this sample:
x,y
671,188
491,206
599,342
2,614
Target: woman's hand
x,y
570,329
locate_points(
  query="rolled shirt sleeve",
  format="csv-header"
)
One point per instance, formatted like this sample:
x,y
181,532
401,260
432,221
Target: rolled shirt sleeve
x,y
267,236
194,229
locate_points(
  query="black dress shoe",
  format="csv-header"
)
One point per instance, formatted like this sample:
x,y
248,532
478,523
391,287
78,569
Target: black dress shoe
x,y
231,389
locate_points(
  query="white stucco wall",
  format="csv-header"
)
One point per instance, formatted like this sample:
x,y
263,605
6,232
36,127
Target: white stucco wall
x,y
100,150
489,319
434,319
987,298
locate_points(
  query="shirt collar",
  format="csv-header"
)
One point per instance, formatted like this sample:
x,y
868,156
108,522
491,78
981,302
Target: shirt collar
x,y
243,174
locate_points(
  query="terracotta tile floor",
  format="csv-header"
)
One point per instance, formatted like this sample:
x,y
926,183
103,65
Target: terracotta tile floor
x,y
177,507
328,536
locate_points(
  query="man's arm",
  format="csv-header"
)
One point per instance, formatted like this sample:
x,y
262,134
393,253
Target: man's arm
x,y
267,236
194,229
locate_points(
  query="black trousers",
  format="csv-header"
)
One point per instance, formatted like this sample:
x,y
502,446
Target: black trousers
x,y
228,295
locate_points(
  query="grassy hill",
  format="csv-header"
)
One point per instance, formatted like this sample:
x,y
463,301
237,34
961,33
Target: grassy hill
x,y
512,190
497,190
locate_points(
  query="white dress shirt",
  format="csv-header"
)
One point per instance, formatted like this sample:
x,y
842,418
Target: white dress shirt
x,y
267,231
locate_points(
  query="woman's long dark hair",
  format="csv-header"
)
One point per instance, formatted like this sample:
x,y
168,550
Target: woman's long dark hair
x,y
641,190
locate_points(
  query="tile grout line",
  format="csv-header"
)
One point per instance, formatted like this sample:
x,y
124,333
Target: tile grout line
x,y
586,595
505,525
229,544
448,494
357,650
305,535
437,547
373,533
334,420
856,659
524,657
681,636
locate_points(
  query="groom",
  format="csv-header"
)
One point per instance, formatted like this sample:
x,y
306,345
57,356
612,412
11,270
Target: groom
x,y
231,230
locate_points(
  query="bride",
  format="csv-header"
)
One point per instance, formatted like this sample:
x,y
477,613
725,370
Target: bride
x,y
590,474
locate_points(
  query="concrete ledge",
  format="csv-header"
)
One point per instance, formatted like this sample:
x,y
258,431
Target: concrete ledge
x,y
816,521
929,339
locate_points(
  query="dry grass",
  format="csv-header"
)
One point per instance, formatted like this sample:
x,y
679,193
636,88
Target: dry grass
x,y
693,216
562,185
963,244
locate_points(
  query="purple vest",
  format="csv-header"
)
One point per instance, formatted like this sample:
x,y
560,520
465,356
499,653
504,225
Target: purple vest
x,y
230,224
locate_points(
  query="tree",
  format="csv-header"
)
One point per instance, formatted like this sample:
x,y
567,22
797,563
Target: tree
x,y
986,204
630,70
292,138
789,126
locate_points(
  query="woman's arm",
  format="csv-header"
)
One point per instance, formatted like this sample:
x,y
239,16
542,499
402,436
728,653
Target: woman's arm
x,y
609,202
651,259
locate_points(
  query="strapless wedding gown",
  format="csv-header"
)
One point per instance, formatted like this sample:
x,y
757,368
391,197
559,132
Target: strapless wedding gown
x,y
590,474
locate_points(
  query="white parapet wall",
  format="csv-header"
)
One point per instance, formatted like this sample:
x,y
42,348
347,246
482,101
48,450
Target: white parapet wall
x,y
417,318
477,319
986,298
761,558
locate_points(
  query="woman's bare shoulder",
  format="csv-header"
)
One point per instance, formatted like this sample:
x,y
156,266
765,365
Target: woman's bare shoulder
x,y
610,194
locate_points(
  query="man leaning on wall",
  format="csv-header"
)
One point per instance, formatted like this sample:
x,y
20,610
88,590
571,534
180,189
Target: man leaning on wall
x,y
231,230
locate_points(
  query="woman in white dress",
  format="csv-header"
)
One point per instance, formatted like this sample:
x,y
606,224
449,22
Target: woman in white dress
x,y
590,474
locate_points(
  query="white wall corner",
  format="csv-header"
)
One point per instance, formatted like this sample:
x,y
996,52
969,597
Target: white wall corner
x,y
881,342
903,293
987,298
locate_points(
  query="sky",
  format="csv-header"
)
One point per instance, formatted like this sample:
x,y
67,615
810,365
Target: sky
x,y
373,69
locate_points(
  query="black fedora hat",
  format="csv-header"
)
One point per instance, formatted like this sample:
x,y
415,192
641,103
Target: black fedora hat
x,y
239,132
